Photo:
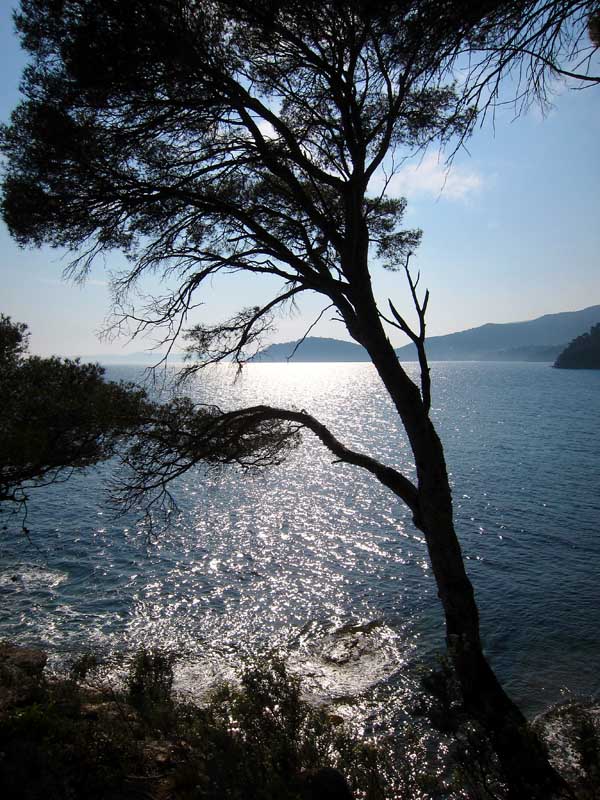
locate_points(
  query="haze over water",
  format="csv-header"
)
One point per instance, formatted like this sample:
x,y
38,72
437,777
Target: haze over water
x,y
320,561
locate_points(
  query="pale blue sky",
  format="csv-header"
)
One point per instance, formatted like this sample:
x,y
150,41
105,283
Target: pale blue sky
x,y
513,234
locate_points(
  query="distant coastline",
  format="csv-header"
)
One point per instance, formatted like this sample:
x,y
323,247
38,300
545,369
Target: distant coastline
x,y
539,340
582,353
318,350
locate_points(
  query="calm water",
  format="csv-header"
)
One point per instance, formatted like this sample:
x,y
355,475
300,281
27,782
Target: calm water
x,y
319,561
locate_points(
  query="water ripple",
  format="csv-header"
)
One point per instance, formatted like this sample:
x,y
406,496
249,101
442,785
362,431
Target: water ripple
x,y
321,562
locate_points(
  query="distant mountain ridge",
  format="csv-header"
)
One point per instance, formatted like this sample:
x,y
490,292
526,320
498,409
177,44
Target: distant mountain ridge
x,y
540,339
510,340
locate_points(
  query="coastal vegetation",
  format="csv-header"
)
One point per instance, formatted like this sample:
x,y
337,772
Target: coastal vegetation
x,y
58,416
242,137
583,352
77,735
107,728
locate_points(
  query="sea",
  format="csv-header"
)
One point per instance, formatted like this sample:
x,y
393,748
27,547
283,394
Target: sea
x,y
315,561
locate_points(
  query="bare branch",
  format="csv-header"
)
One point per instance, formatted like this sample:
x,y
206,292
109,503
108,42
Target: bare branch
x,y
417,338
213,344
308,330
398,483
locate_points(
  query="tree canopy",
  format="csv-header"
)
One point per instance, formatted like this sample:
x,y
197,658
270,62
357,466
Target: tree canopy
x,y
58,415
224,136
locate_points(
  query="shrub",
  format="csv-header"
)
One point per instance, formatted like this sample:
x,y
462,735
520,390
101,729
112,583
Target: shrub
x,y
150,679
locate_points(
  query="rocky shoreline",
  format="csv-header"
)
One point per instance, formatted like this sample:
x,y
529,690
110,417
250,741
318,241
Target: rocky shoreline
x,y
75,735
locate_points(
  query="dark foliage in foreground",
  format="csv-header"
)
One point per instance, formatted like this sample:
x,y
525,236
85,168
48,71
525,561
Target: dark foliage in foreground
x,y
58,415
257,741
77,736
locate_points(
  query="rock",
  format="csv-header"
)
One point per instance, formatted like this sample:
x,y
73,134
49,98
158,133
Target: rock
x,y
158,753
89,711
15,660
325,783
571,732
21,674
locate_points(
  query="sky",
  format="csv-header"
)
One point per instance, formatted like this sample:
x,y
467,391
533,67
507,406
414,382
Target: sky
x,y
510,232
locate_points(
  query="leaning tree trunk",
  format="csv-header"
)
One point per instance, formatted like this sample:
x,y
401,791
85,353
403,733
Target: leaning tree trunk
x,y
522,756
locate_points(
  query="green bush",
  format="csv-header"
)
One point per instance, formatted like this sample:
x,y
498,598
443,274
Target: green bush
x,y
82,666
259,740
49,751
150,680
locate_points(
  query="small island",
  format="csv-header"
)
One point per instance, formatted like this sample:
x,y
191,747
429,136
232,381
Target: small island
x,y
583,352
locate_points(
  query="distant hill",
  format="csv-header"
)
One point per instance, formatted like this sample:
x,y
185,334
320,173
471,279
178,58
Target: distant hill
x,y
540,339
314,349
582,353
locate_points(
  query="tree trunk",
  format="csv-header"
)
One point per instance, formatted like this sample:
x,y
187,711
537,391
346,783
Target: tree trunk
x,y
523,757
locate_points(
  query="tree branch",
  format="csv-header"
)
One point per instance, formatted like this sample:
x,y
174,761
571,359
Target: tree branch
x,y
308,330
174,437
398,483
417,338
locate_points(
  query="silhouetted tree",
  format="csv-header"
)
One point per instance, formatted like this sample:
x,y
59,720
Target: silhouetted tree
x,y
60,416
57,415
224,136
